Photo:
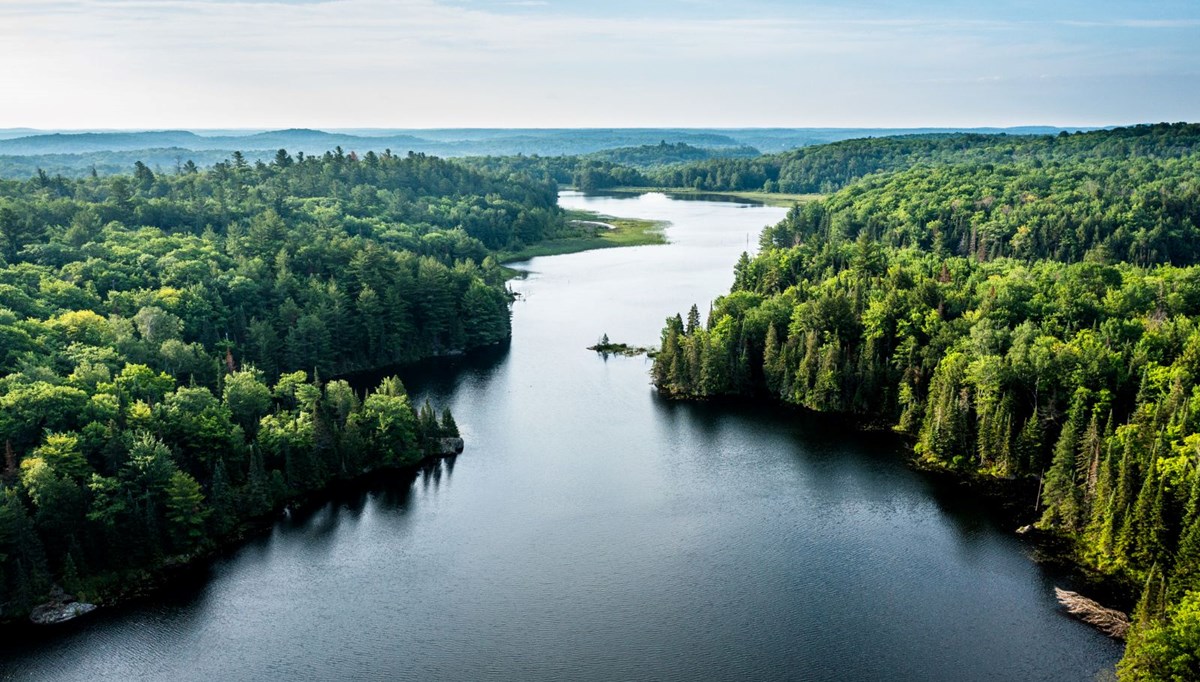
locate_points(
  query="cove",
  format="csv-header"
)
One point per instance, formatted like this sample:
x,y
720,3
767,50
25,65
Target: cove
x,y
594,531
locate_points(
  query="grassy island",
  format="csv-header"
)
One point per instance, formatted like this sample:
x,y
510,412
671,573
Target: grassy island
x,y
590,230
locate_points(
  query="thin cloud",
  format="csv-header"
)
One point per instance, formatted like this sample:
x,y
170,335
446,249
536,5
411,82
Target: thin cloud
x,y
170,63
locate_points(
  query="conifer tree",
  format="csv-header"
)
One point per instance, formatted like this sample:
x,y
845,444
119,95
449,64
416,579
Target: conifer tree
x,y
1063,498
449,427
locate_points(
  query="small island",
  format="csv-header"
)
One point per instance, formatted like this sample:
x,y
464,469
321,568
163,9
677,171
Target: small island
x,y
606,347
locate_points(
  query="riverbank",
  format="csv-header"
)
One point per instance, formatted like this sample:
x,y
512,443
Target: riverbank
x,y
115,590
1014,501
765,198
1010,501
595,231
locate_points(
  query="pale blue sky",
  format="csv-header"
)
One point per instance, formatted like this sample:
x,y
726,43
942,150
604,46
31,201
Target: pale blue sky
x,y
570,63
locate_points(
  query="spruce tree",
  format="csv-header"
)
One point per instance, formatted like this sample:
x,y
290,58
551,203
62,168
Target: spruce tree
x,y
772,367
258,496
224,504
449,427
1186,573
1062,497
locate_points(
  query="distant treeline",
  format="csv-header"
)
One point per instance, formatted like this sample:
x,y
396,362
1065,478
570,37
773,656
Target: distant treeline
x,y
77,154
827,168
623,167
74,166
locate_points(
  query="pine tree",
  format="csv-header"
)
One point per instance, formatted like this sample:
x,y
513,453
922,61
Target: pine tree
x,y
693,320
449,427
1087,462
1140,536
945,433
1063,498
258,496
694,363
826,393
1152,605
667,356
427,421
806,374
773,369
678,375
1186,573
1101,532
1028,448
224,504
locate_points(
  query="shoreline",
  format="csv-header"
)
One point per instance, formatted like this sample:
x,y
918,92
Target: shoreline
x,y
765,198
606,232
174,572
144,583
1006,501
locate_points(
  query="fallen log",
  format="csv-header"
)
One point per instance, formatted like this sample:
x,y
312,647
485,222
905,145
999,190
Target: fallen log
x,y
1109,621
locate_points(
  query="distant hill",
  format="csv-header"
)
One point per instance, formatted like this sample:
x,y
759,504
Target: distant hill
x,y
75,153
665,153
451,142
782,139
308,141
543,142
828,167
110,162
8,133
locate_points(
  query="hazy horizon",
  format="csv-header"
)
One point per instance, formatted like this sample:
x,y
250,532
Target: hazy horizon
x,y
437,64
341,130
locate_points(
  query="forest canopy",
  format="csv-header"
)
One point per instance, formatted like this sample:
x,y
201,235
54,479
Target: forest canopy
x,y
171,345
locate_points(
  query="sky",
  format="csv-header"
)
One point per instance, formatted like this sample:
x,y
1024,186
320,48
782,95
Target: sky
x,y
157,64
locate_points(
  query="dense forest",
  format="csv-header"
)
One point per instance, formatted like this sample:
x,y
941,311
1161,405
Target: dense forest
x,y
587,174
824,169
1029,313
170,345
666,154
827,168
622,167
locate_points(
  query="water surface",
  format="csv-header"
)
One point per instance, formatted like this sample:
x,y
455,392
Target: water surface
x,y
593,531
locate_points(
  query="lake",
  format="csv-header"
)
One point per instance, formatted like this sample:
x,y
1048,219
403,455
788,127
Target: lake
x,y
594,531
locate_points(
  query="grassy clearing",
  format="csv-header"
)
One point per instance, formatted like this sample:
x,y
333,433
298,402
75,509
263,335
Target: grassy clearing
x,y
770,199
594,231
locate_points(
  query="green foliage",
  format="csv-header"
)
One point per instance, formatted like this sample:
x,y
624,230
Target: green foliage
x,y
827,168
185,510
1167,649
389,424
158,333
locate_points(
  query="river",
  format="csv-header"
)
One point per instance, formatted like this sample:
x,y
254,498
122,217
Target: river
x,y
593,531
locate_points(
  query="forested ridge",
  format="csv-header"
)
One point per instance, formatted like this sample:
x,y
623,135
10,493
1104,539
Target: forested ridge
x,y
167,344
621,167
828,168
1033,317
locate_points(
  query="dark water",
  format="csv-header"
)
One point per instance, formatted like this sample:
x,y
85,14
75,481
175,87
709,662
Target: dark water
x,y
593,531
